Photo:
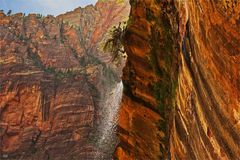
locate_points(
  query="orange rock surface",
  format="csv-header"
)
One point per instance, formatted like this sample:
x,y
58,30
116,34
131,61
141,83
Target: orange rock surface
x,y
181,82
51,81
182,78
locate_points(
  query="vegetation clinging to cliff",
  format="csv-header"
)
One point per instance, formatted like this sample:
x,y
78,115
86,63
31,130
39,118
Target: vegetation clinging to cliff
x,y
114,44
164,62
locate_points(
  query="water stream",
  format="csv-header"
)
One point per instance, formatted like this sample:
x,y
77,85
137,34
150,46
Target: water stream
x,y
107,140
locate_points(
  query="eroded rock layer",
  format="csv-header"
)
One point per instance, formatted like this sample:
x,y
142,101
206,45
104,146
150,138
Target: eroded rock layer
x,y
207,113
182,94
50,86
95,21
150,79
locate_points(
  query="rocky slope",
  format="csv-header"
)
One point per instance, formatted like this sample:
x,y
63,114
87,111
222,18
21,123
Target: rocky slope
x,y
95,21
52,81
182,81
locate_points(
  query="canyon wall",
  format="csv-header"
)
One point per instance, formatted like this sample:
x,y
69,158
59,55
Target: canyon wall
x,y
182,81
95,21
52,81
207,115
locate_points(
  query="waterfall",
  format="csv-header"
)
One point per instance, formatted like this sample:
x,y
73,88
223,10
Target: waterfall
x,y
107,140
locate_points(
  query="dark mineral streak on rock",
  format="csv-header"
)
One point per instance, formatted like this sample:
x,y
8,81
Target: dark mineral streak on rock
x,y
202,40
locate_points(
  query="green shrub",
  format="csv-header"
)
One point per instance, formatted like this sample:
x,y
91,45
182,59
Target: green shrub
x,y
114,44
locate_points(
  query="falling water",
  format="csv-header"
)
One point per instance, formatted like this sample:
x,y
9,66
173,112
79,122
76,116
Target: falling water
x,y
107,130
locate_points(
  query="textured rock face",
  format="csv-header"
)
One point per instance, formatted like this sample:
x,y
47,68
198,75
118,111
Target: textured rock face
x,y
50,86
181,96
207,111
47,107
152,44
95,21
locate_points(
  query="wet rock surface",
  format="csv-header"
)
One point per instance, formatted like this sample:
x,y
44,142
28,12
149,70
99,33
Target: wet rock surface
x,y
207,100
181,95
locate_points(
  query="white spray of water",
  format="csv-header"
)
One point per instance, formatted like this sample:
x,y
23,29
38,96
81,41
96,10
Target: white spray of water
x,y
108,139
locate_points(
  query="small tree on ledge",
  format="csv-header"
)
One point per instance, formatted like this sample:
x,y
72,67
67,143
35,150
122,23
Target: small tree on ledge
x,y
9,12
114,44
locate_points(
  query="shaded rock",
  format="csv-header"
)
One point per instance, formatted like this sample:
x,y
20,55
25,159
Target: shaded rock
x,y
183,66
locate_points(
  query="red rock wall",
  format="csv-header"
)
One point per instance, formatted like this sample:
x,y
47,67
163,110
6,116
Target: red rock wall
x,y
50,86
95,21
150,78
181,97
207,102
46,103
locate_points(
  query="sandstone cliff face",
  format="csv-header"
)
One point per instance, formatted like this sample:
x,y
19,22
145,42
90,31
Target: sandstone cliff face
x,y
50,86
47,107
182,94
95,21
207,111
182,82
